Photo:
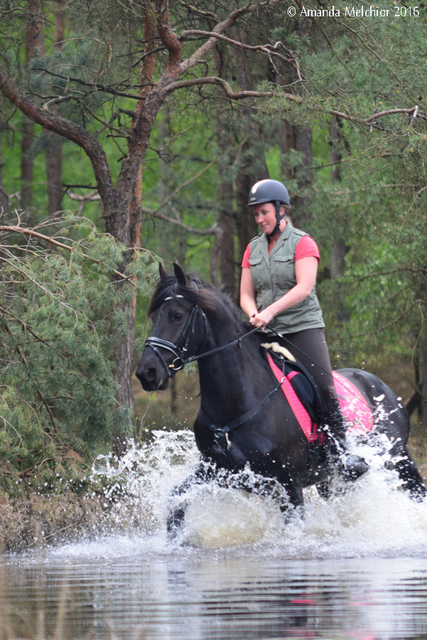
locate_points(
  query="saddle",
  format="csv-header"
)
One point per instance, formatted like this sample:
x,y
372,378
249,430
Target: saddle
x,y
305,400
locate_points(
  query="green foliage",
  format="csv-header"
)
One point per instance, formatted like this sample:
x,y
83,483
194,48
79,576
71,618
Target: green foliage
x,y
60,318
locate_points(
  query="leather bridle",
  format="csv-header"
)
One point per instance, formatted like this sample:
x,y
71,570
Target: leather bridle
x,y
180,349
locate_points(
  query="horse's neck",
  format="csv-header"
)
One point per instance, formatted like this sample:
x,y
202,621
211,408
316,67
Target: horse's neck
x,y
232,378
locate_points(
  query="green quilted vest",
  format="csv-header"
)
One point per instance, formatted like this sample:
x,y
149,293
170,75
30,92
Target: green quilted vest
x,y
274,275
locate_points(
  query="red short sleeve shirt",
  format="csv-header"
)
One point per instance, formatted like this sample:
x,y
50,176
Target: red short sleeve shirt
x,y
306,248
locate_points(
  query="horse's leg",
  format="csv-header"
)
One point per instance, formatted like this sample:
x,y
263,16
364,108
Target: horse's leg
x,y
324,489
330,489
409,474
203,473
293,489
285,490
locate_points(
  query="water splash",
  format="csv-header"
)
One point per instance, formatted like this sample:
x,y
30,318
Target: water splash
x,y
373,518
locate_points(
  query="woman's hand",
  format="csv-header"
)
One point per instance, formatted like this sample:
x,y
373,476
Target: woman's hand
x,y
262,319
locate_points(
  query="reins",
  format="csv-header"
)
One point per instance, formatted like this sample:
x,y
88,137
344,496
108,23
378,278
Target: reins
x,y
279,335
221,348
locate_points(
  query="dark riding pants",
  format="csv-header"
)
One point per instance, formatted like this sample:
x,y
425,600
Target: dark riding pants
x,y
309,347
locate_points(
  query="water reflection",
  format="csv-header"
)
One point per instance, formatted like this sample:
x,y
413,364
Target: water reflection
x,y
355,568
189,595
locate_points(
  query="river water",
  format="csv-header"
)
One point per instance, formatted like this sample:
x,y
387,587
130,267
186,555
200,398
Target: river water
x,y
355,567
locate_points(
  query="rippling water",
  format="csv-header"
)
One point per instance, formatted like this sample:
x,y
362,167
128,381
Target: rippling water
x,y
355,567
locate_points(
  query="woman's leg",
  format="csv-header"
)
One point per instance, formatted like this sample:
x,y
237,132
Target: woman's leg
x,y
310,349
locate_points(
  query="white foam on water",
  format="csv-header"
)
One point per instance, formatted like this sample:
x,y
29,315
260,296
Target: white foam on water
x,y
374,518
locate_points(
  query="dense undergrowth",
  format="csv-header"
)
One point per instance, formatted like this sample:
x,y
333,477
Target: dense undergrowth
x,y
60,318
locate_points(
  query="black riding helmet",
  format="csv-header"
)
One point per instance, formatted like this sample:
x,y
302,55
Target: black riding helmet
x,y
270,191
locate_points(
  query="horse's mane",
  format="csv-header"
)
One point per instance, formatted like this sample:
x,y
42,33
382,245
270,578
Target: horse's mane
x,y
195,291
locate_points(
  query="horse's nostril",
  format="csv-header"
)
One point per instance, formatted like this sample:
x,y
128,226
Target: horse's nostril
x,y
150,374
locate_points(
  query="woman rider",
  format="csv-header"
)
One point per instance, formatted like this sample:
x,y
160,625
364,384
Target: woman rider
x,y
279,272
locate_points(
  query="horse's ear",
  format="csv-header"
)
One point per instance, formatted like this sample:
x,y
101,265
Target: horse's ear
x,y
162,272
180,275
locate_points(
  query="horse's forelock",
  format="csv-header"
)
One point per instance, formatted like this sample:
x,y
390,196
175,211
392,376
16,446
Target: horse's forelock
x,y
195,292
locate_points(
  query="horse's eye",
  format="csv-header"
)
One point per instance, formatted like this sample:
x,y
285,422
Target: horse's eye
x,y
177,316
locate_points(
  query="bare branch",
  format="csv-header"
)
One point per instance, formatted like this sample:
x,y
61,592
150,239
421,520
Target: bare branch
x,y
61,245
219,28
234,95
178,222
266,48
95,86
412,111
388,325
206,14
185,184
379,274
91,197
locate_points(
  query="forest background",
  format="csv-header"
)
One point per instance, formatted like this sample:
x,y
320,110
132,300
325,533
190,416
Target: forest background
x,y
131,131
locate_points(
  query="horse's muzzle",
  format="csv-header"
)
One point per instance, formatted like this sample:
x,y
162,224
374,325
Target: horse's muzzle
x,y
151,374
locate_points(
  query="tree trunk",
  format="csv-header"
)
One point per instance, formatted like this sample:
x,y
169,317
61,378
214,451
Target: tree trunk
x,y
286,143
252,165
224,237
225,221
339,248
34,42
53,154
27,164
304,175
53,161
4,198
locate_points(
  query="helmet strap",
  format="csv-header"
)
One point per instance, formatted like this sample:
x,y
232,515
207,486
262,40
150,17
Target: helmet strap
x,y
279,217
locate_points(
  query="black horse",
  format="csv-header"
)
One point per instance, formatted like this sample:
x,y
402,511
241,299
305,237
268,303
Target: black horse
x,y
244,418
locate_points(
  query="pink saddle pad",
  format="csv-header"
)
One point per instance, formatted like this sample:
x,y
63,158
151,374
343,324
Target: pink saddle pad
x,y
356,410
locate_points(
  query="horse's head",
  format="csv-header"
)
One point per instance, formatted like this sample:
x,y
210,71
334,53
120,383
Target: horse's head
x,y
179,327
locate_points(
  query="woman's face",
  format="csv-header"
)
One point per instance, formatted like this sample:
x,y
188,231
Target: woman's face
x,y
265,217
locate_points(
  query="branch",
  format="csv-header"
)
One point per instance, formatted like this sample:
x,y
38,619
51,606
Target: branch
x,y
389,273
168,37
95,86
234,95
267,49
79,186
39,393
206,14
381,114
66,128
198,232
61,245
239,95
219,28
185,184
91,197
387,326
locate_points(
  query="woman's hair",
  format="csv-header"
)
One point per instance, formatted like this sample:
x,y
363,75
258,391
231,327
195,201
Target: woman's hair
x,y
287,218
